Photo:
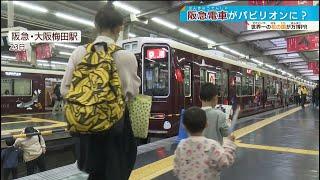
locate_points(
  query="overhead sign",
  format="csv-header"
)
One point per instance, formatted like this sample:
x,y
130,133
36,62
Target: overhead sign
x,y
303,43
21,56
313,65
158,53
43,51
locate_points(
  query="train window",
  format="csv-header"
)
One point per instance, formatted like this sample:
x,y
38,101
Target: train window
x,y
16,87
271,87
238,84
247,86
220,79
203,76
6,87
187,81
224,83
258,85
156,71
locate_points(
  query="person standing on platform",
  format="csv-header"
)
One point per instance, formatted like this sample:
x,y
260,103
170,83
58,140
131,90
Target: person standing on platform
x,y
9,159
34,148
110,154
217,120
58,104
198,157
304,93
315,96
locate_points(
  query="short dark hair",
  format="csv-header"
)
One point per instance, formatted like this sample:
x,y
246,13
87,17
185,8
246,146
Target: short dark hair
x,y
208,91
195,119
10,141
108,17
29,130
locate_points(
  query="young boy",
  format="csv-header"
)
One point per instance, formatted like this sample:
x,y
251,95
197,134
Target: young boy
x,y
9,159
217,120
198,157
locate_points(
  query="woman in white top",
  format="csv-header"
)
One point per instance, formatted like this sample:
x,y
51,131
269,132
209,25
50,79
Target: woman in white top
x,y
34,148
110,155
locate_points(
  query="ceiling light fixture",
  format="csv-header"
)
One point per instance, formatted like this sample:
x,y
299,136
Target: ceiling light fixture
x,y
31,6
65,53
65,45
75,19
132,35
61,63
232,51
8,57
126,7
189,33
269,66
163,22
256,61
207,41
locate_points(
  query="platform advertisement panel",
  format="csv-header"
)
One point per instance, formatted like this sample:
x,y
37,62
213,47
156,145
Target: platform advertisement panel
x,y
303,43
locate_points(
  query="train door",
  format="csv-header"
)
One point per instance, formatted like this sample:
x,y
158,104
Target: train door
x,y
187,85
50,84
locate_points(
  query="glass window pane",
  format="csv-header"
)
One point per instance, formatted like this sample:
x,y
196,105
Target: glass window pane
x,y
187,81
156,71
258,85
202,76
22,87
6,87
238,85
224,83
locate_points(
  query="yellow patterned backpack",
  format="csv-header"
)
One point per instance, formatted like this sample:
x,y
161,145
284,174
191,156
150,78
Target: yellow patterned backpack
x,y
95,102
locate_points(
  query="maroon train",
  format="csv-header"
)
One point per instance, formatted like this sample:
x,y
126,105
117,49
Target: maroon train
x,y
27,90
172,73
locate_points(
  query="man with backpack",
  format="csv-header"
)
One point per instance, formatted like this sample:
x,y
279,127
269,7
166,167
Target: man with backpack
x,y
99,80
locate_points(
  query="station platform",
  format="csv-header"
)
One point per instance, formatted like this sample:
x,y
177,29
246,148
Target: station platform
x,y
281,144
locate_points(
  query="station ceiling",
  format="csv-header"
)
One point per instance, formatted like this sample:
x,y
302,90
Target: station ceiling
x,y
268,47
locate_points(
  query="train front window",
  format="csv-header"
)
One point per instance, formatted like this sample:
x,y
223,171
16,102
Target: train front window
x,y
156,70
16,87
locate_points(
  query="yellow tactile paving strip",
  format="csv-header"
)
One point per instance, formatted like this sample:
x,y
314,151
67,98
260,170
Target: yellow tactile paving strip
x,y
19,115
160,167
54,124
153,170
248,129
278,149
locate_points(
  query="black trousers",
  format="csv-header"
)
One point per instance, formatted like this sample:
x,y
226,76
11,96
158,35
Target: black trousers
x,y
32,165
110,155
303,99
7,171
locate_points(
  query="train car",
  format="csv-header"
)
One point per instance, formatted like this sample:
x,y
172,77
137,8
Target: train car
x,y
172,73
27,90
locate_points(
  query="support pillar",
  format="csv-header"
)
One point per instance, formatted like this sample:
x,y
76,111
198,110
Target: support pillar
x,y
10,14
